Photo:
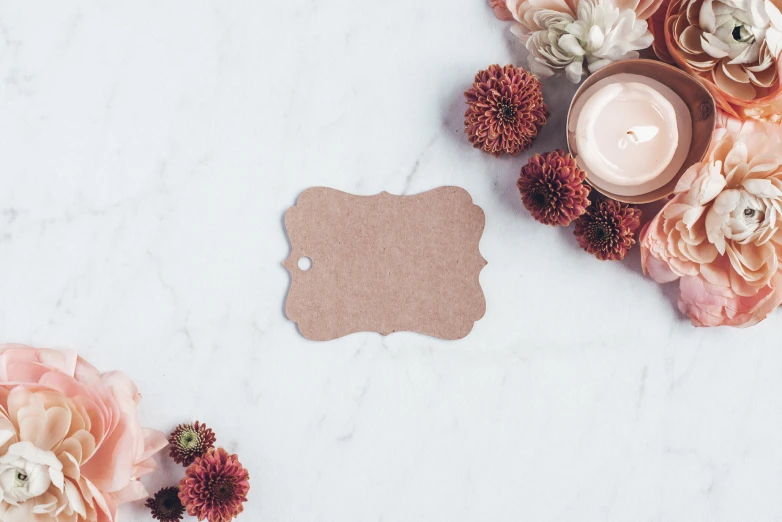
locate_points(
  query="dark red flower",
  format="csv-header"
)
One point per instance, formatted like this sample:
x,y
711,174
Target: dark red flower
x,y
607,229
215,487
505,110
189,441
165,505
552,188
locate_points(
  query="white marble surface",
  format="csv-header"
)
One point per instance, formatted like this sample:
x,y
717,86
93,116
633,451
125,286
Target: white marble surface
x,y
148,152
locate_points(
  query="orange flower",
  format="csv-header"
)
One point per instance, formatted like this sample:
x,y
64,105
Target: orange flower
x,y
505,110
732,46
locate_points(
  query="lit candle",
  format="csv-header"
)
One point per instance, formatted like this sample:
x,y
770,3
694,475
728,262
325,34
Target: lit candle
x,y
632,133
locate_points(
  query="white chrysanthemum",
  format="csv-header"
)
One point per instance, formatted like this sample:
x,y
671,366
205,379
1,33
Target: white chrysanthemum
x,y
600,34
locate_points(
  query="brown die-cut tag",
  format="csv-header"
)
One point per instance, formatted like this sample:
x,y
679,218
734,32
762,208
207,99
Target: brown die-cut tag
x,y
385,263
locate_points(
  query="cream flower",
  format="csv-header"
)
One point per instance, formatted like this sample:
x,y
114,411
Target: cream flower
x,y
574,38
26,472
734,46
740,207
722,232
742,40
553,49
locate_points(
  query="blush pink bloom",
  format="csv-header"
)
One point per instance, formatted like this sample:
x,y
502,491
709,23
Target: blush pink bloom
x,y
71,446
500,10
720,234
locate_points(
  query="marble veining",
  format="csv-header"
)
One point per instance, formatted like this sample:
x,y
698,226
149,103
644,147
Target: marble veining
x,y
149,150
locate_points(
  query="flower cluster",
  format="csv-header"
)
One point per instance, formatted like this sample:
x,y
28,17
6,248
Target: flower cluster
x,y
578,36
552,188
720,236
215,484
71,446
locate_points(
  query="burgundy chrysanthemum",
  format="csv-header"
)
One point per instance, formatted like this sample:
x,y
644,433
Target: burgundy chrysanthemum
x,y
607,229
505,110
552,188
215,487
166,506
189,441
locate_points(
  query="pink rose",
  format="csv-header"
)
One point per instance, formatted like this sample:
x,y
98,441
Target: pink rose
x,y
720,234
71,446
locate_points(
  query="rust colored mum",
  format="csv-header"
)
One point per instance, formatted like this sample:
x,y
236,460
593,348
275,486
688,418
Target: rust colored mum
x,y
607,229
552,188
215,487
189,441
165,505
505,110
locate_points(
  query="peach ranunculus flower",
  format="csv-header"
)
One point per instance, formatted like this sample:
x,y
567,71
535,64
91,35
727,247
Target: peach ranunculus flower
x,y
721,234
71,446
733,46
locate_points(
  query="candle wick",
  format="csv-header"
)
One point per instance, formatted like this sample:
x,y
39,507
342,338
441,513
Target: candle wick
x,y
642,133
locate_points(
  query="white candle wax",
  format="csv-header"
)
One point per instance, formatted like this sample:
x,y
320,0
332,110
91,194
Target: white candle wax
x,y
632,134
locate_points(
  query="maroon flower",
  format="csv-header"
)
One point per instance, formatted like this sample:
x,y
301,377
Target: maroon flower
x,y
189,441
215,487
552,188
165,505
607,229
505,110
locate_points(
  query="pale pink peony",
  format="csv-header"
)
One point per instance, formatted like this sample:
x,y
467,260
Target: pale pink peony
x,y
720,234
71,446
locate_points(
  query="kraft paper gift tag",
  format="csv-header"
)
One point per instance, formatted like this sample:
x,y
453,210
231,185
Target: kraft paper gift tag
x,y
385,263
